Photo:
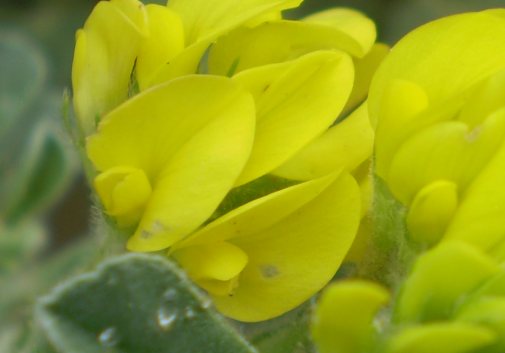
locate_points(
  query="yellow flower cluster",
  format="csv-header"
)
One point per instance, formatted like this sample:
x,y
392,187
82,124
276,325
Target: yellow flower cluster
x,y
439,105
184,104
453,301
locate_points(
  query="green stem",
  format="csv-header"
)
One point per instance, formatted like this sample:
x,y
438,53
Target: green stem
x,y
390,253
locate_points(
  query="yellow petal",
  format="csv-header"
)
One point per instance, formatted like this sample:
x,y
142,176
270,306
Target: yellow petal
x,y
275,15
344,315
278,41
489,97
185,63
444,57
361,244
210,18
443,337
204,21
402,102
295,106
218,287
431,211
221,261
165,41
496,12
479,218
343,147
296,257
351,22
365,68
444,62
191,137
439,279
493,287
363,176
489,311
212,264
104,57
447,150
497,251
134,11
149,129
258,215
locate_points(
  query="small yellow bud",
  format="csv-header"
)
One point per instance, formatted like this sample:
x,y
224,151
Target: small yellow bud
x,y
215,267
344,316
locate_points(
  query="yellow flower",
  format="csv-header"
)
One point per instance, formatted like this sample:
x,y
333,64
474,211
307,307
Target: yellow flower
x,y
439,104
164,42
430,313
270,255
104,57
168,157
343,320
460,315
336,34
270,46
196,24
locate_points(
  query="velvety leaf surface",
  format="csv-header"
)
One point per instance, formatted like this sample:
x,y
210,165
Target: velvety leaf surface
x,y
135,303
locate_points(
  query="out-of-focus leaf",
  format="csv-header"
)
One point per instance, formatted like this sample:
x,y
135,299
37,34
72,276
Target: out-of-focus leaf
x,y
22,72
135,303
23,338
8,338
36,161
18,244
45,166
19,288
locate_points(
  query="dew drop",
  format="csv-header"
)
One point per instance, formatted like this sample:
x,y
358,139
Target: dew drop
x,y
108,337
166,318
189,313
170,295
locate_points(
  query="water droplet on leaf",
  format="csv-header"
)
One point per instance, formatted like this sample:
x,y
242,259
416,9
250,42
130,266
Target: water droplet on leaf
x,y
189,313
108,337
170,295
166,318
